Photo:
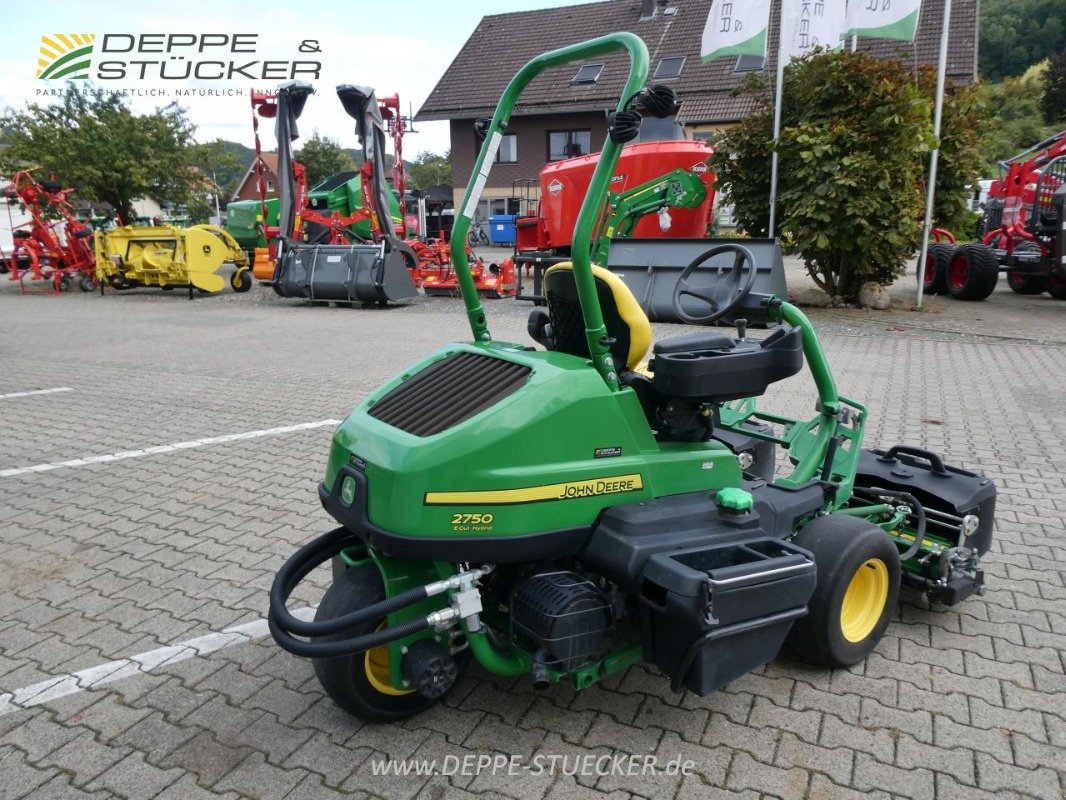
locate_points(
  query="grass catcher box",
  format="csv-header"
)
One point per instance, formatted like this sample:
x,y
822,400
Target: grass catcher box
x,y
711,614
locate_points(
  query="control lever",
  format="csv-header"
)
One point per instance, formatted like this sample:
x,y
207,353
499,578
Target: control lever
x,y
742,329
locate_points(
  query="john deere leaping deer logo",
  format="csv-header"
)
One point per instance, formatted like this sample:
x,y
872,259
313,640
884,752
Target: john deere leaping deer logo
x,y
65,55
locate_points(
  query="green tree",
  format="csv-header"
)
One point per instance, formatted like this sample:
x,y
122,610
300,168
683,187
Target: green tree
x,y
855,138
215,161
323,157
429,169
1016,116
1015,34
960,163
94,141
1054,97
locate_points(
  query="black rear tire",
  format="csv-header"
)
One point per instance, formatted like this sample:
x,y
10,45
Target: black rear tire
x,y
1056,285
973,272
1020,282
857,562
350,679
87,284
936,267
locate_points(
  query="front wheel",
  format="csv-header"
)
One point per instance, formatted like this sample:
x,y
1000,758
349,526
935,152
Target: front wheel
x,y
241,281
359,683
858,586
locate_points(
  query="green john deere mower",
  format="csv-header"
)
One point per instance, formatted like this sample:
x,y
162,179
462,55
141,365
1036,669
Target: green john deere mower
x,y
560,513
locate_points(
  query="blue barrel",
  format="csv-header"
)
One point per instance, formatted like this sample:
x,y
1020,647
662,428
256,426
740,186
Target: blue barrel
x,y
501,229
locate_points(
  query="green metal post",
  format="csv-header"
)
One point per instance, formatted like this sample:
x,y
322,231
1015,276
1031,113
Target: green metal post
x,y
595,330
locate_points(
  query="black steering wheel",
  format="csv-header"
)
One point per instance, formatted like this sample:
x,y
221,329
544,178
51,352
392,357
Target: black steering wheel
x,y
725,293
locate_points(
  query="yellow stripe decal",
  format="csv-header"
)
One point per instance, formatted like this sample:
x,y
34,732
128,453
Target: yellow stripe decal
x,y
615,484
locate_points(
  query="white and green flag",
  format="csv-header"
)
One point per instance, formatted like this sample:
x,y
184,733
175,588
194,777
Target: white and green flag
x,y
810,24
883,19
736,28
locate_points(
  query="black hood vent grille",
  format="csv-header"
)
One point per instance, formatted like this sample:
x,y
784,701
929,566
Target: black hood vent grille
x,y
449,392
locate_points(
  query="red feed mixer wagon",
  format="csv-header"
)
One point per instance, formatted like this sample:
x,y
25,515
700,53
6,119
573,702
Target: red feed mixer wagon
x,y
645,201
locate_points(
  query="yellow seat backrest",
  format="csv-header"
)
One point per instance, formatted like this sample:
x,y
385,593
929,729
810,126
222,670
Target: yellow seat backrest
x,y
625,320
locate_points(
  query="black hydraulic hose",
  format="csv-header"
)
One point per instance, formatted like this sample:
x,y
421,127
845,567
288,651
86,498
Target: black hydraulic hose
x,y
344,647
919,510
313,554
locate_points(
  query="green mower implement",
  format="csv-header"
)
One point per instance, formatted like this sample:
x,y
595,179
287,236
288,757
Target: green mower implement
x,y
566,512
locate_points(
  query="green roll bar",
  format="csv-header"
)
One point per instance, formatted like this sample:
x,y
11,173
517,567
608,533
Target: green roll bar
x,y
595,330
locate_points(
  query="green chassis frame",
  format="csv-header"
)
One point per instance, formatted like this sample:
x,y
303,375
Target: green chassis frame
x,y
826,446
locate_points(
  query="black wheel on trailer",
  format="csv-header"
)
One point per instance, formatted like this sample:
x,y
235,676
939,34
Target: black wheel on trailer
x,y
936,267
973,272
1020,282
168,287
86,283
241,281
63,284
359,683
858,586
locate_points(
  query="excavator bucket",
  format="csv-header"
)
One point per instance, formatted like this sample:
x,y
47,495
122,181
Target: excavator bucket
x,y
363,273
369,273
167,256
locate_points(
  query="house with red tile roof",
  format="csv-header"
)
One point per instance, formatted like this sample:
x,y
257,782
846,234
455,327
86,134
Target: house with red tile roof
x,y
563,112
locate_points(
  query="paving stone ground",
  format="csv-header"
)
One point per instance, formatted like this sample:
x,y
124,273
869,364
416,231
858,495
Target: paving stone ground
x,y
103,561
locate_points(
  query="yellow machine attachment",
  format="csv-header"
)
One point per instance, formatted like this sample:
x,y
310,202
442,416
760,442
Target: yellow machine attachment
x,y
168,256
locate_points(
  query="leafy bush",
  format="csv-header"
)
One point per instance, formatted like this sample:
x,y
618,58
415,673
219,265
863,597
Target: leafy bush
x,y
855,138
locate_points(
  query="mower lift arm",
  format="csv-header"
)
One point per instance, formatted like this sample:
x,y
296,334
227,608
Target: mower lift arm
x,y
595,330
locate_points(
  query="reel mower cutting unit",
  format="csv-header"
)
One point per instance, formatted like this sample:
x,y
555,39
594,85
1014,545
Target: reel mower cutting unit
x,y
566,512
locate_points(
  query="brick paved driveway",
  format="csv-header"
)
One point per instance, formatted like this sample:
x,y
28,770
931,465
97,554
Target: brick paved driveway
x,y
106,560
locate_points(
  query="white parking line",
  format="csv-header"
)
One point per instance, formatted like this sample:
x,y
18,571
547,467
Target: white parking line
x,y
58,389
166,448
142,663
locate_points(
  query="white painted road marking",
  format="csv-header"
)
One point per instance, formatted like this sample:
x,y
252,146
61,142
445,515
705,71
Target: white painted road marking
x,y
65,685
166,448
35,392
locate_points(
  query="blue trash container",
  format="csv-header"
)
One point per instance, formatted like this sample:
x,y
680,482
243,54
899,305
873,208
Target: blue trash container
x,y
501,229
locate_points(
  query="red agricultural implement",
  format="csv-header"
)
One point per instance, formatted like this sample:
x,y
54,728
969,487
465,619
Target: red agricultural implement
x,y
438,278
52,250
1022,232
659,190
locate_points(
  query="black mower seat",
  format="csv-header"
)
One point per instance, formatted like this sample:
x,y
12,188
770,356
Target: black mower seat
x,y
626,322
733,369
689,342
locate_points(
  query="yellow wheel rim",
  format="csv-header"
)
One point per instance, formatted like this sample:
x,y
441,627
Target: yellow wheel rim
x,y
864,601
376,664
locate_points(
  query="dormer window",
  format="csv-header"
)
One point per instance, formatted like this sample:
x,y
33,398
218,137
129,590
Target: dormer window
x,y
669,68
589,73
749,64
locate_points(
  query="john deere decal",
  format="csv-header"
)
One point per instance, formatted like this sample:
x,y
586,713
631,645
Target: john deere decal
x,y
65,55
